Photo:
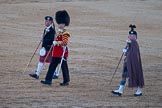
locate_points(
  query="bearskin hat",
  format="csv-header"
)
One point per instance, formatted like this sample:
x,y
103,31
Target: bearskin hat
x,y
62,17
132,31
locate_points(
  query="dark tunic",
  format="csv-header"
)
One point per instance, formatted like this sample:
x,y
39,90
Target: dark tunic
x,y
46,43
134,65
48,38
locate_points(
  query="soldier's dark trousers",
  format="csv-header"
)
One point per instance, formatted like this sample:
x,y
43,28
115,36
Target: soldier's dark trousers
x,y
65,71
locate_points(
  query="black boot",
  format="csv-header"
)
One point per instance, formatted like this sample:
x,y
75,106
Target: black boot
x,y
55,77
34,76
64,84
46,82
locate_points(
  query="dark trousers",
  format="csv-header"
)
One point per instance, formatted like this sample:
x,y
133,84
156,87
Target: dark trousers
x,y
52,67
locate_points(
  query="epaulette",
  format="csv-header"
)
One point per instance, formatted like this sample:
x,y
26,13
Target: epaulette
x,y
66,33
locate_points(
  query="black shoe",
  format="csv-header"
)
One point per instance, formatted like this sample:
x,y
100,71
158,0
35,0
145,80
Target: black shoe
x,y
55,77
34,76
116,93
64,84
45,82
138,94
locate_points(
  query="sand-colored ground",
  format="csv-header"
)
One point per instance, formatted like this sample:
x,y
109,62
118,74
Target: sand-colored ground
x,y
98,30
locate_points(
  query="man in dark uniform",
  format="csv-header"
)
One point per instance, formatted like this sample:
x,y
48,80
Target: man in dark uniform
x,y
59,46
47,40
132,67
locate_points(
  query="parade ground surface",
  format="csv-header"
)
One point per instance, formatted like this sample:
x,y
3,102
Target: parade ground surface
x,y
99,30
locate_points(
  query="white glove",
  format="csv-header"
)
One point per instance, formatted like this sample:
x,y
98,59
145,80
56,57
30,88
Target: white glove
x,y
128,41
124,50
54,43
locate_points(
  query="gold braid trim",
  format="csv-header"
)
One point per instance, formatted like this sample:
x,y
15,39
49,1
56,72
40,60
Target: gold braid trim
x,y
66,33
65,39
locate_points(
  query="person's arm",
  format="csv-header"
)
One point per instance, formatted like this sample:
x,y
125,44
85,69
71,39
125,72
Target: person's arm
x,y
65,39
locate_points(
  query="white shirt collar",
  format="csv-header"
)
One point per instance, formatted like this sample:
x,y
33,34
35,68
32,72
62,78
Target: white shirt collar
x,y
47,28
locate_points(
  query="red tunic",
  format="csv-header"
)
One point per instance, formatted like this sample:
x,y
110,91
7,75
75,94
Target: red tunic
x,y
62,40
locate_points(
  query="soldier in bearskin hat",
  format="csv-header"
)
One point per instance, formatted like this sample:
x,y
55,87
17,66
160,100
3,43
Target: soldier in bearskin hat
x,y
132,67
47,41
59,46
